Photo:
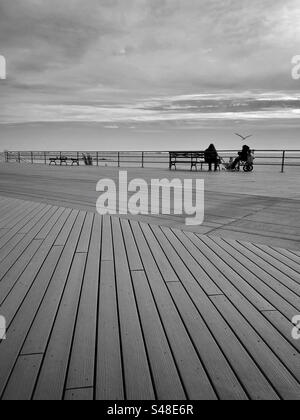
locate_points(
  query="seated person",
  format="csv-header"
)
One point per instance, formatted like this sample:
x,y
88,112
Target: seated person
x,y
212,157
244,156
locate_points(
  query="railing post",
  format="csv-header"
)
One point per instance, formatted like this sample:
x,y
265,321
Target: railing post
x,y
6,155
32,158
119,160
19,157
283,162
97,157
143,160
45,157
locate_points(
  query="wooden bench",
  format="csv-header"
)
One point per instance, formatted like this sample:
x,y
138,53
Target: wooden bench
x,y
194,159
61,160
53,160
75,161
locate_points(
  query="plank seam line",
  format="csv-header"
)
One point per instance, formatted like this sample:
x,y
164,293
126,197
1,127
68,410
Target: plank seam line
x,y
30,354
78,389
197,352
246,249
238,219
256,331
205,322
150,368
69,356
248,269
64,288
158,310
117,302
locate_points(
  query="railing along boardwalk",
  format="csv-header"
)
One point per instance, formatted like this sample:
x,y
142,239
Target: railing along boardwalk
x,y
105,308
159,159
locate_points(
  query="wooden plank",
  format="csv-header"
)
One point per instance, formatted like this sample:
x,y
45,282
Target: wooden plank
x,y
254,383
8,258
134,259
32,260
195,380
23,214
4,202
107,246
11,244
50,384
109,375
194,267
12,276
11,347
42,214
7,207
284,326
40,331
268,333
65,232
137,375
85,237
12,232
85,394
289,255
16,296
280,256
282,380
163,264
3,232
226,279
279,283
165,375
82,361
43,233
296,252
21,383
223,378
19,210
282,271
278,296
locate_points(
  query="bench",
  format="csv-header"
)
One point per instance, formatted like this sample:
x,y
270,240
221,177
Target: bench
x,y
194,159
75,161
61,160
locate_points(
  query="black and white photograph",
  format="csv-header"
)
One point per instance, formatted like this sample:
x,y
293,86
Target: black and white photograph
x,y
150,203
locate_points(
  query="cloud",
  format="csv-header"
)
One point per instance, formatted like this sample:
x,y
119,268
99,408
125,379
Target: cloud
x,y
179,109
114,53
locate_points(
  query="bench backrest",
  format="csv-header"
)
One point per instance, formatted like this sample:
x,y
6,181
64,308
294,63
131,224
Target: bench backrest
x,y
187,155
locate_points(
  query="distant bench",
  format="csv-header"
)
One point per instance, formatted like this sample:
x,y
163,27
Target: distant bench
x,y
194,159
63,160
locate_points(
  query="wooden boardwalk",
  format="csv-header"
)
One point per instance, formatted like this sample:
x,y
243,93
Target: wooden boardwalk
x,y
113,309
261,207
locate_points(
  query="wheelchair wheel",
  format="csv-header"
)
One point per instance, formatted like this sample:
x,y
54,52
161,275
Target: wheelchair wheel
x,y
248,167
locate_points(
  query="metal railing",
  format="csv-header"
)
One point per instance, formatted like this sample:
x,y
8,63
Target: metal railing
x,y
152,159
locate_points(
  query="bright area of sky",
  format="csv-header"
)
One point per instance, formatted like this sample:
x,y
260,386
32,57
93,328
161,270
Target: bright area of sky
x,y
149,74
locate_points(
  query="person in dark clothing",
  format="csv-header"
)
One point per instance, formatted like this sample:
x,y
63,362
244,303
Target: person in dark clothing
x,y
243,156
212,157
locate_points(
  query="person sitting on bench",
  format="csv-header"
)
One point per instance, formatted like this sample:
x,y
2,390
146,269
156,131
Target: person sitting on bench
x,y
243,156
212,158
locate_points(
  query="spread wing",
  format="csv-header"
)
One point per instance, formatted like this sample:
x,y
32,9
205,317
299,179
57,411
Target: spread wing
x,y
242,137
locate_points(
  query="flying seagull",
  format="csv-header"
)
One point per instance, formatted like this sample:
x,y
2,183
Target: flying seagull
x,y
242,137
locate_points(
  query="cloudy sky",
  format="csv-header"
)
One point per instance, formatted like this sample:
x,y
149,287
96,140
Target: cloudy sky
x,y
142,69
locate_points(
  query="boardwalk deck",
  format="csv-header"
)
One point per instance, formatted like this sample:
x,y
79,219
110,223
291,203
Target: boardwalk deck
x,y
108,308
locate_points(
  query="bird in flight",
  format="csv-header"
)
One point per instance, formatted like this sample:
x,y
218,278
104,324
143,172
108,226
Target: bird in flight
x,y
242,137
